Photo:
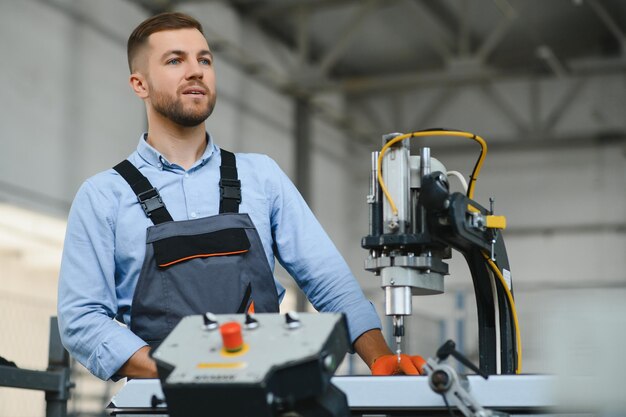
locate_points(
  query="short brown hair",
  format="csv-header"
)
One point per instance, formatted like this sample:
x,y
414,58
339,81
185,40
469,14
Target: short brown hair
x,y
157,23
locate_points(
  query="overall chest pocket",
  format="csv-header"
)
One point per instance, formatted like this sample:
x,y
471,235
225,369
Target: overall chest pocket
x,y
178,249
187,273
203,272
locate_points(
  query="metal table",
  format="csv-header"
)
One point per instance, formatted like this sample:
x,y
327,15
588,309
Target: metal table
x,y
384,396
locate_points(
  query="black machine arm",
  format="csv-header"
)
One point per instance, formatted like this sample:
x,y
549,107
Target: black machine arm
x,y
461,223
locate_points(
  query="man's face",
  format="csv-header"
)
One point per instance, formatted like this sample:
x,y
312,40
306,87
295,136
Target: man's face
x,y
178,69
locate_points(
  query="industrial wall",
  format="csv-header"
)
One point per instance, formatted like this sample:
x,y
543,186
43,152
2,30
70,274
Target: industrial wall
x,y
68,113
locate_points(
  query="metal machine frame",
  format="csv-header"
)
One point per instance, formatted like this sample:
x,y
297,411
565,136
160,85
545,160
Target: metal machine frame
x,y
408,242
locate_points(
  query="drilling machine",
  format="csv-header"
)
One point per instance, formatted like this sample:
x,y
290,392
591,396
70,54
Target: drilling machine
x,y
415,222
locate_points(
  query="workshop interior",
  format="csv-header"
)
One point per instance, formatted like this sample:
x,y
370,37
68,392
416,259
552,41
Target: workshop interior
x,y
466,157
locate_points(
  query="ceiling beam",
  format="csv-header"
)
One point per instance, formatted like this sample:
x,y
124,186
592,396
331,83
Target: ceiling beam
x,y
541,142
505,108
609,22
369,85
303,39
427,117
499,32
440,42
463,38
453,22
370,115
256,9
563,104
347,36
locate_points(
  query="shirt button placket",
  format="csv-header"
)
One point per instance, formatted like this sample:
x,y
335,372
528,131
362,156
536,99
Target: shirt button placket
x,y
193,214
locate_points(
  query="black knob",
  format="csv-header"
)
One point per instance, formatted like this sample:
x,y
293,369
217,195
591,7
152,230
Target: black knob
x,y
156,401
210,321
446,350
292,320
251,322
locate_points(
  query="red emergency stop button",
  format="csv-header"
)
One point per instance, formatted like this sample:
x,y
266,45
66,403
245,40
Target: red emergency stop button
x,y
231,336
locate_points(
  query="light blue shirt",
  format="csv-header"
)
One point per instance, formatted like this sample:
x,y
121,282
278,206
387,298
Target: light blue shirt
x,y
105,248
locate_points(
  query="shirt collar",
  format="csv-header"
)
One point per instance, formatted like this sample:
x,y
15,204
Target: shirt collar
x,y
156,159
210,149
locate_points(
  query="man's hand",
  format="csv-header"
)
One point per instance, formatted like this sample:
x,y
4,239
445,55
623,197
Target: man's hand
x,y
373,349
140,365
389,365
370,346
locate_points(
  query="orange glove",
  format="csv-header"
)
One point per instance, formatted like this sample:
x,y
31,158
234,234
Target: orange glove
x,y
389,365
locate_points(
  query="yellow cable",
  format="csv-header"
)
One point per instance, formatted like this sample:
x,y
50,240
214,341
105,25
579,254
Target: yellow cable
x,y
518,337
474,176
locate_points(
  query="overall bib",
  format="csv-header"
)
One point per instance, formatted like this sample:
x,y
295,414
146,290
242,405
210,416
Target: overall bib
x,y
213,264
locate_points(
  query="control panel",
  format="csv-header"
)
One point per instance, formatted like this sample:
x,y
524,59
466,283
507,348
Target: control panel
x,y
253,365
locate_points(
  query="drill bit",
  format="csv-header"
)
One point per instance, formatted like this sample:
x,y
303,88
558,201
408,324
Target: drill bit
x,y
398,349
398,332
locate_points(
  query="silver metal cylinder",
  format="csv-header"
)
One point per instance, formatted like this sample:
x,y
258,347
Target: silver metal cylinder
x,y
398,301
424,162
374,178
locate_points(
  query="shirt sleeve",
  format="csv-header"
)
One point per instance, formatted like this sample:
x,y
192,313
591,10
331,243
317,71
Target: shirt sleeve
x,y
304,249
87,302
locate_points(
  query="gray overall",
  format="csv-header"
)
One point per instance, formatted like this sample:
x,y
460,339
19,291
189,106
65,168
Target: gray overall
x,y
214,264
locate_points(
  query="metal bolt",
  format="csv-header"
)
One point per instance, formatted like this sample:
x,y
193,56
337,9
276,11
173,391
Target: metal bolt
x,y
440,381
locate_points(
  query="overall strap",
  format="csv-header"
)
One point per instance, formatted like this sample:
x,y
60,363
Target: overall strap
x,y
148,196
230,186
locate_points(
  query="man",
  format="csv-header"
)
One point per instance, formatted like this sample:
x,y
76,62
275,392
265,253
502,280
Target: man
x,y
183,227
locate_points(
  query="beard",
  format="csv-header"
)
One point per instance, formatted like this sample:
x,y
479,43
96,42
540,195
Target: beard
x,y
174,109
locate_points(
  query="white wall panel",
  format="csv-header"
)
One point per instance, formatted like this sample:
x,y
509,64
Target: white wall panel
x,y
68,110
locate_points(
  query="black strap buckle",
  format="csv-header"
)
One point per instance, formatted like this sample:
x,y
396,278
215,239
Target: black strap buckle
x,y
150,201
230,189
